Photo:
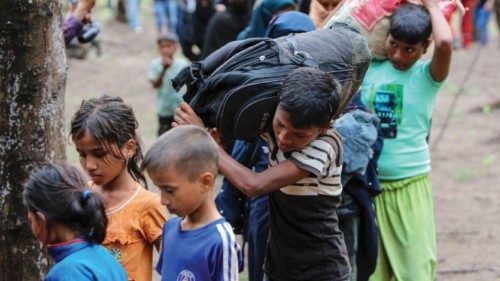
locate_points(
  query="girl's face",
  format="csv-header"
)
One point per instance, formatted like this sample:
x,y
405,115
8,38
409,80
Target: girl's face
x,y
101,165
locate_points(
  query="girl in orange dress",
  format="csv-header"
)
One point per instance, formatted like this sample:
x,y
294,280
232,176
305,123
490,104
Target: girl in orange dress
x,y
104,133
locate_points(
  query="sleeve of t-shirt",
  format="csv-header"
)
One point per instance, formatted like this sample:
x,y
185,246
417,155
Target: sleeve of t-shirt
x,y
226,258
154,70
425,72
315,158
152,219
159,265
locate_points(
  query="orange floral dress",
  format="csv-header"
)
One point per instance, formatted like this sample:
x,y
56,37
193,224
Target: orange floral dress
x,y
132,229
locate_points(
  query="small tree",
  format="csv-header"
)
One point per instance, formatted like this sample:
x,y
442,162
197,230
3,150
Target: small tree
x,y
32,83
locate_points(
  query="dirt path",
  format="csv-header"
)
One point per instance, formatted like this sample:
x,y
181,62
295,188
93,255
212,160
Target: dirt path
x,y
465,174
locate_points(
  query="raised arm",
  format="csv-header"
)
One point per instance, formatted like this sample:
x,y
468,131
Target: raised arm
x,y
443,39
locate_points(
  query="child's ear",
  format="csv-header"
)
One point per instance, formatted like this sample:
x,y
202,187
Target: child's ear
x,y
206,181
129,148
323,129
39,227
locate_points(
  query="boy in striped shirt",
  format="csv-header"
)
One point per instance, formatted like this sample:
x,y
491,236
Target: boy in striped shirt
x,y
198,244
303,180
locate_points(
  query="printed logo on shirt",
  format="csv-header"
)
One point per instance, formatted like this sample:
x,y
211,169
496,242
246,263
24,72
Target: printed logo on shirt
x,y
186,275
116,253
387,102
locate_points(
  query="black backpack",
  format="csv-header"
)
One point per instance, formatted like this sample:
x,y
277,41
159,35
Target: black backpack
x,y
236,88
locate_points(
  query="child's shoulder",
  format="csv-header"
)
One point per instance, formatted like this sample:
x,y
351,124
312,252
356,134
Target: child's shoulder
x,y
145,200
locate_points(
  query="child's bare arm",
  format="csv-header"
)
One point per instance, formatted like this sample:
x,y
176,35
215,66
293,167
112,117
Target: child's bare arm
x,y
157,243
159,80
443,39
254,184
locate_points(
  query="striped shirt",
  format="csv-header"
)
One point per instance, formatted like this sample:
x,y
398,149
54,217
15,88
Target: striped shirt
x,y
206,253
320,158
305,242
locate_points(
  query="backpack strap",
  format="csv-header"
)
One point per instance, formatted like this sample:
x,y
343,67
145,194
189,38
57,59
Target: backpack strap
x,y
300,57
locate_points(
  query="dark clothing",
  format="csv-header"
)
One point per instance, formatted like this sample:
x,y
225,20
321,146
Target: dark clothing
x,y
164,124
72,27
305,242
223,28
261,16
249,217
309,239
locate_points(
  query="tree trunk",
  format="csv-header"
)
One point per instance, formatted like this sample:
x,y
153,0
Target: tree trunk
x,y
32,84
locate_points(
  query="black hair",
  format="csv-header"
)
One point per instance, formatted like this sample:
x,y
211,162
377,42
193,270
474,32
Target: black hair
x,y
189,149
110,121
311,97
411,24
59,192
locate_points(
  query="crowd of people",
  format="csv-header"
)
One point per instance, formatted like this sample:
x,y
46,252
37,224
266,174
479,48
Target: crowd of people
x,y
304,210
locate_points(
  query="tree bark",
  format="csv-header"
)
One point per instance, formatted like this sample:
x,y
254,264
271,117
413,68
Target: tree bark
x,y
32,85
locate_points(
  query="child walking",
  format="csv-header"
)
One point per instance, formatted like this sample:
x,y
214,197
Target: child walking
x,y
161,72
70,220
104,133
198,244
402,92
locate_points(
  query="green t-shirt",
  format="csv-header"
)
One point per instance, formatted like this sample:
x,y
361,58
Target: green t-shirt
x,y
167,98
403,100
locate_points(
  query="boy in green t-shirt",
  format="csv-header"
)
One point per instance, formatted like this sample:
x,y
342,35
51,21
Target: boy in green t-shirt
x,y
402,92
161,72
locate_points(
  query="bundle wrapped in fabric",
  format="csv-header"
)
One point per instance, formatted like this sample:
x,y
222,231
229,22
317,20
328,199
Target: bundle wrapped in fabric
x,y
236,88
371,17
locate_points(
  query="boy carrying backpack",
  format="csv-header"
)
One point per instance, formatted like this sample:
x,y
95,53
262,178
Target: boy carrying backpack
x,y
303,180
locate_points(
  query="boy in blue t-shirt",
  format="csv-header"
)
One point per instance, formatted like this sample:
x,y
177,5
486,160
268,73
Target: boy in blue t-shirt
x,y
198,244
402,92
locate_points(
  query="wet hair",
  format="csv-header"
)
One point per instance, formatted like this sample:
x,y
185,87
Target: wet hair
x,y
110,121
190,150
411,24
311,97
60,193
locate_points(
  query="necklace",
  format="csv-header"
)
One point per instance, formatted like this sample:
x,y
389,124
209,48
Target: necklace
x,y
122,205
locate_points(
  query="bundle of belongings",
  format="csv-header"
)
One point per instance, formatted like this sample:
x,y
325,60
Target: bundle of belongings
x,y
371,17
235,89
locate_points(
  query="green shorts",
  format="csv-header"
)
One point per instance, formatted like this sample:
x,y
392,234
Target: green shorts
x,y
407,235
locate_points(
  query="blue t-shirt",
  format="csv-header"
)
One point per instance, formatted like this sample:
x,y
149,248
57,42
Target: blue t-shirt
x,y
206,253
403,100
80,260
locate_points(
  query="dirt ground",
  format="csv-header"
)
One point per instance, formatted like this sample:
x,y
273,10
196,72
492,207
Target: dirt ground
x,y
464,154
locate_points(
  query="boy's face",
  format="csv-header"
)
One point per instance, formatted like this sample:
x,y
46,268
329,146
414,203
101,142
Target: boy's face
x,y
403,55
167,48
289,138
181,196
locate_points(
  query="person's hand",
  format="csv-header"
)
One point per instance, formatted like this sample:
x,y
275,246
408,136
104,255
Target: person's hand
x,y
214,132
184,115
430,3
167,62
83,10
219,8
